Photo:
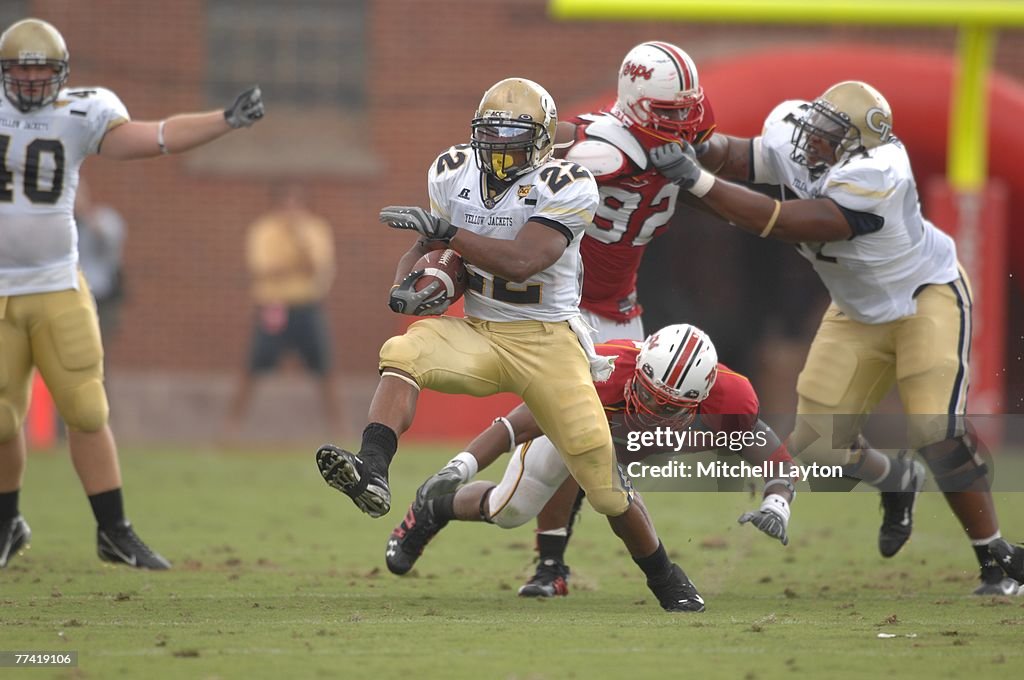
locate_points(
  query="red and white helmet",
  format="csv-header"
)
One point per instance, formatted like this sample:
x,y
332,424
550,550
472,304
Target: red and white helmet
x,y
675,371
659,91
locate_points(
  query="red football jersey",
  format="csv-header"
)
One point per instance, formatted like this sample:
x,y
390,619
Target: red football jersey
x,y
636,206
732,405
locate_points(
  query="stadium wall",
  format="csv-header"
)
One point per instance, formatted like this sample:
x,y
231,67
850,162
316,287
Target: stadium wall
x,y
426,64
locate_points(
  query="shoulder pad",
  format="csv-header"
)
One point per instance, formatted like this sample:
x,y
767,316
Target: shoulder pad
x,y
610,130
784,113
598,156
93,99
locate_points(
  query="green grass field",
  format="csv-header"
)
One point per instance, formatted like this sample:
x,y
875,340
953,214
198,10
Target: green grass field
x,y
277,575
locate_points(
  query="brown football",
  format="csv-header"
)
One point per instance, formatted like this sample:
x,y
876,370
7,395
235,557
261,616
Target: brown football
x,y
445,266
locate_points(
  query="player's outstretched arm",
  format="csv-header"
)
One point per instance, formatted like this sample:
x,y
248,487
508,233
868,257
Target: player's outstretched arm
x,y
726,157
140,139
818,219
503,435
772,517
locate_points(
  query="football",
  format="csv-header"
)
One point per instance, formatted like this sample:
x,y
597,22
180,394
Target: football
x,y
445,266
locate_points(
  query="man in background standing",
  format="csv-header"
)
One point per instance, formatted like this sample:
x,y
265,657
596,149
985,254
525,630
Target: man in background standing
x,y
290,258
100,247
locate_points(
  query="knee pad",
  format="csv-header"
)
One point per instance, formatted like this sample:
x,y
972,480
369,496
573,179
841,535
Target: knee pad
x,y
956,465
610,501
10,422
400,351
812,441
85,407
509,516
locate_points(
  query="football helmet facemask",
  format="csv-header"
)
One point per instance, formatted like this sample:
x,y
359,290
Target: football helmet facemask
x,y
849,117
659,92
33,42
513,130
675,371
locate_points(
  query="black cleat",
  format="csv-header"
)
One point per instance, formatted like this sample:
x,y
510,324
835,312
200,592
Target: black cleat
x,y
1009,557
995,582
120,544
14,535
410,537
898,507
550,580
358,478
676,593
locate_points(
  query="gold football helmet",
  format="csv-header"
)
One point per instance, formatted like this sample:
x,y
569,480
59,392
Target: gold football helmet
x,y
33,42
514,128
849,117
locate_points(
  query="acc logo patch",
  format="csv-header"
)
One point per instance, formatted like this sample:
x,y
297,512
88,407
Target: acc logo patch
x,y
524,190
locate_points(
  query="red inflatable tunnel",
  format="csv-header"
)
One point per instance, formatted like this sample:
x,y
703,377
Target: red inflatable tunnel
x,y
744,88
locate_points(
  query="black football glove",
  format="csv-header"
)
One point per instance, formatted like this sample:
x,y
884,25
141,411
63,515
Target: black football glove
x,y
431,301
247,109
416,218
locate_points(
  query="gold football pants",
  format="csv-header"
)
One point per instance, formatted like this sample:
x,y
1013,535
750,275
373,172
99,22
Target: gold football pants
x,y
541,362
852,365
59,334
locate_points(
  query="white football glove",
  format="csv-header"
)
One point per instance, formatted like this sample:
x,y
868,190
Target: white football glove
x,y
416,218
677,162
772,518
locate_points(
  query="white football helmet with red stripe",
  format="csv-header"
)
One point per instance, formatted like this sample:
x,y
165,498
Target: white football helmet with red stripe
x,y
675,371
659,91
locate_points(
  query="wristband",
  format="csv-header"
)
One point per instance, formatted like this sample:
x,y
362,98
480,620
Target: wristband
x,y
469,460
511,433
776,504
160,138
703,184
771,222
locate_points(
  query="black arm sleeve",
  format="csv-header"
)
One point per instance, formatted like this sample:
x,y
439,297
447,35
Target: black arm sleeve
x,y
557,226
861,223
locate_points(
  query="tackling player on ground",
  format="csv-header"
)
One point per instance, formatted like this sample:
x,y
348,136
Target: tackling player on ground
x,y
901,304
47,315
516,216
659,99
672,379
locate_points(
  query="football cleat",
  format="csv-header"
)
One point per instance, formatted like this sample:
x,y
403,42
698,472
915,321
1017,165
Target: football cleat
x,y
676,593
995,582
14,535
120,544
898,507
550,580
362,480
1009,557
410,537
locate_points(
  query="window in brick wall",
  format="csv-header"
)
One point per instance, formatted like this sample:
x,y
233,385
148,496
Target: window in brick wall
x,y
11,11
308,56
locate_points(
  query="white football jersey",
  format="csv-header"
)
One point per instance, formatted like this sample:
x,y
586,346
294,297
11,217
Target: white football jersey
x,y
872,277
560,194
41,152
